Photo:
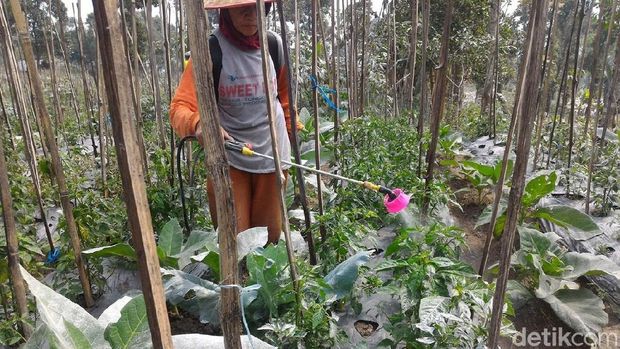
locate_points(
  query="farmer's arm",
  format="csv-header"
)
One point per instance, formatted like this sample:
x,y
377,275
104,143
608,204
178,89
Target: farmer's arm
x,y
184,116
284,101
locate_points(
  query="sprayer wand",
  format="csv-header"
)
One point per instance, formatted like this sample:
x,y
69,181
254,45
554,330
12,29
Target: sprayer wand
x,y
246,149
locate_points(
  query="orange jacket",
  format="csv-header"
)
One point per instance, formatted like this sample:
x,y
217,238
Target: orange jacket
x,y
184,116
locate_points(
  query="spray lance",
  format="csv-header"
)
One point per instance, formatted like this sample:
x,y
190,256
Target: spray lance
x,y
395,200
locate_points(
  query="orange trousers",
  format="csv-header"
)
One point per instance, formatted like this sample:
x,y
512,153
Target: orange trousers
x,y
257,201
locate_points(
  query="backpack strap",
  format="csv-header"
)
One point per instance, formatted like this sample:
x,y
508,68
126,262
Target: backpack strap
x,y
216,59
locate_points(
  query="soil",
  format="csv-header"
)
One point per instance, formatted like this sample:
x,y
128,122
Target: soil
x,y
366,328
182,322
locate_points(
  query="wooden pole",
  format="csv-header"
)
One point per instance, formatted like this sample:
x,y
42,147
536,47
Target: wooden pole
x,y
87,98
293,113
5,117
426,10
20,21
217,166
413,45
269,96
12,245
571,120
118,88
315,104
154,73
438,103
532,70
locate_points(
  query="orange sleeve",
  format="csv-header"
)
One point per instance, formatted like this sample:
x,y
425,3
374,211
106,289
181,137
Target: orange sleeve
x,y
184,116
284,101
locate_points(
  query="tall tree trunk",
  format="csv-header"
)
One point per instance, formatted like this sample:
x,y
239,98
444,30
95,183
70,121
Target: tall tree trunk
x,y
532,70
426,10
571,122
25,42
439,95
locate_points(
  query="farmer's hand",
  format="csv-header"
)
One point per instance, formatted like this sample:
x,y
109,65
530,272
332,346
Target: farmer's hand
x,y
198,135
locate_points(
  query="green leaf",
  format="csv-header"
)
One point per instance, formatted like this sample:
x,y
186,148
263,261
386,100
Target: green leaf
x,y
533,241
498,168
566,216
581,309
165,260
212,260
537,188
52,307
589,264
485,170
196,241
171,237
519,294
342,278
266,267
132,329
118,250
76,336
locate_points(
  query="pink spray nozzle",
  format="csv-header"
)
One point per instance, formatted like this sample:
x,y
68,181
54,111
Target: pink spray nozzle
x,y
397,204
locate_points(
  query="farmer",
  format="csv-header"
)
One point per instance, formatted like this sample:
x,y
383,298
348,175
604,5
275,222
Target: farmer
x,y
240,92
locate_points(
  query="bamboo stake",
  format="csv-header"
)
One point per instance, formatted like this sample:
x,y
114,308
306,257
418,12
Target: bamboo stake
x,y
362,97
394,60
103,111
438,103
5,116
610,27
297,50
546,82
531,71
293,113
595,86
20,108
87,100
426,10
63,50
166,31
336,70
217,166
571,121
110,36
20,22
49,46
12,244
315,104
154,74
562,87
269,96
608,116
353,99
413,46
499,187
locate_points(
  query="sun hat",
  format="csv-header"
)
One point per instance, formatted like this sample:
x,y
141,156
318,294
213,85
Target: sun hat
x,y
216,4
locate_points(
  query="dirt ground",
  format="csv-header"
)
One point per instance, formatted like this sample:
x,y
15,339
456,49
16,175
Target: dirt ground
x,y
534,316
